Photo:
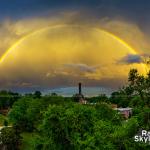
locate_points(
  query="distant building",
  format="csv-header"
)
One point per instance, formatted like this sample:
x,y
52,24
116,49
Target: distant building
x,y
126,112
80,96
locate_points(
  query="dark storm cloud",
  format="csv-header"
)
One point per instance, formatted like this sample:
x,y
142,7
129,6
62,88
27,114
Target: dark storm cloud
x,y
131,59
134,9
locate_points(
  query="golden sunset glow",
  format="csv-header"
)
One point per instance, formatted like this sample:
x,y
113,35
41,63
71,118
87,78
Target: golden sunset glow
x,y
67,54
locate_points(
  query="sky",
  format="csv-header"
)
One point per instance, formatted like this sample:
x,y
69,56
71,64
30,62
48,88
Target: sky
x,y
54,44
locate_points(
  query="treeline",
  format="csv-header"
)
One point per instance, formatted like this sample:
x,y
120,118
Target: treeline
x,y
7,98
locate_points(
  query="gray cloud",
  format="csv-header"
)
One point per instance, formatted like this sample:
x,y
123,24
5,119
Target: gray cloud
x,y
131,59
82,67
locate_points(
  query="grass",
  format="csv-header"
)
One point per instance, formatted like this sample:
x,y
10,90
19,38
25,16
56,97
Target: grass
x,y
27,138
28,141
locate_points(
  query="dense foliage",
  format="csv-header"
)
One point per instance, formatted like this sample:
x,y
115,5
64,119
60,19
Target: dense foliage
x,y
76,127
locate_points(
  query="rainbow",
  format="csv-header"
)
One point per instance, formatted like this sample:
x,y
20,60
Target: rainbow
x,y
23,39
8,52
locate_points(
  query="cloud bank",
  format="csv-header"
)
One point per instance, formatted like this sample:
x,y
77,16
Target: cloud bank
x,y
131,59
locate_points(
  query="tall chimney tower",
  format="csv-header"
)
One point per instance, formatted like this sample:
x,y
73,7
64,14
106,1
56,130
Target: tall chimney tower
x,y
80,88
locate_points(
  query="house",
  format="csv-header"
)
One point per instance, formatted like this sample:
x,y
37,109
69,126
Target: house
x,y
82,101
126,112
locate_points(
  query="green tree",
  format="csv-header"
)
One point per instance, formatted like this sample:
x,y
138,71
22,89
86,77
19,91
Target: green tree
x,y
144,118
26,113
67,127
77,127
37,94
17,115
122,137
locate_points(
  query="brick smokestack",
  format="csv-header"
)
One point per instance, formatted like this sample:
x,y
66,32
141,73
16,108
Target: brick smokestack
x,y
80,88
